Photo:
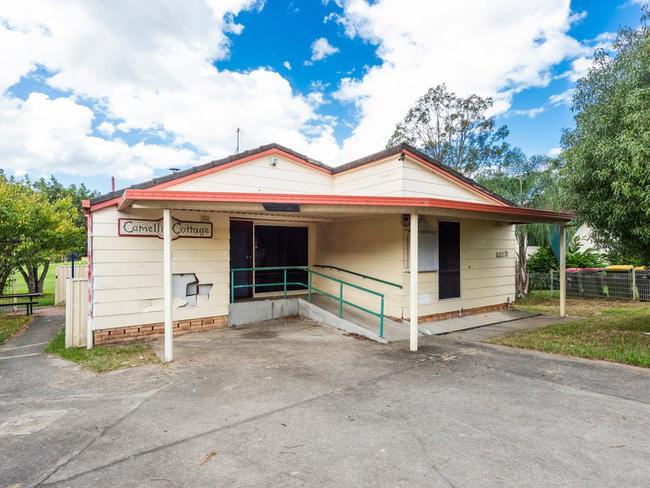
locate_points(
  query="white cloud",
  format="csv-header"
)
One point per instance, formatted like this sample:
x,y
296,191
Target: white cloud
x,y
554,152
530,113
321,48
287,65
474,46
579,68
148,67
45,135
106,128
580,65
562,98
148,72
577,17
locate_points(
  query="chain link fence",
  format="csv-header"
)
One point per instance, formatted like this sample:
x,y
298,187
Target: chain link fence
x,y
596,283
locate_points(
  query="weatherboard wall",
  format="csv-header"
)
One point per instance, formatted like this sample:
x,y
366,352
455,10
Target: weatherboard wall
x,y
266,174
127,271
485,279
276,174
370,246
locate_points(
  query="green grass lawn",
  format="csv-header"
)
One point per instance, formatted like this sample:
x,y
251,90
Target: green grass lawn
x,y
101,359
548,303
11,324
48,285
611,331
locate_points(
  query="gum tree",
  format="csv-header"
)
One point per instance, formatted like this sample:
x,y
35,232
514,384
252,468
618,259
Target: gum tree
x,y
607,173
454,130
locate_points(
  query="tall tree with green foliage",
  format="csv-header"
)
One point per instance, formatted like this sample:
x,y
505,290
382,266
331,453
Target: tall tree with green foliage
x,y
14,210
55,191
454,130
49,231
529,182
607,173
34,231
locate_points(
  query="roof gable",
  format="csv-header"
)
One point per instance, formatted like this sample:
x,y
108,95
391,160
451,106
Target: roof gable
x,y
181,177
272,171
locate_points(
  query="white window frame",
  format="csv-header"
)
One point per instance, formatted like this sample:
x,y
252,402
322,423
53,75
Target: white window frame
x,y
427,256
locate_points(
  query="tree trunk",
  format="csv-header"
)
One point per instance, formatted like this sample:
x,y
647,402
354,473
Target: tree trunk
x,y
33,278
26,277
521,281
5,274
41,278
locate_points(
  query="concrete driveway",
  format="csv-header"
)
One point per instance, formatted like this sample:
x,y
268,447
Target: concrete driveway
x,y
291,403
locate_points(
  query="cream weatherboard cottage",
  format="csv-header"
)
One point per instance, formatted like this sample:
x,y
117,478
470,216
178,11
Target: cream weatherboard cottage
x,y
411,239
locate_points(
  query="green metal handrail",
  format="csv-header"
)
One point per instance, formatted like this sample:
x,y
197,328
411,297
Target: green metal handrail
x,y
367,277
310,288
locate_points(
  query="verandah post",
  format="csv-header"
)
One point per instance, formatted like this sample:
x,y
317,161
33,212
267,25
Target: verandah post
x,y
413,291
167,284
562,270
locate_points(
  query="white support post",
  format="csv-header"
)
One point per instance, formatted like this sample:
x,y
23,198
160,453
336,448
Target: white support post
x,y
562,271
167,284
413,265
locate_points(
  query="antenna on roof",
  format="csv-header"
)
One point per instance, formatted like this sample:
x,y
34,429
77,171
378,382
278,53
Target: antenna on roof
x,y
238,136
174,170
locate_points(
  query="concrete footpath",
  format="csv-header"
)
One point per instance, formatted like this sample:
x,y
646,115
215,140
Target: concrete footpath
x,y
289,403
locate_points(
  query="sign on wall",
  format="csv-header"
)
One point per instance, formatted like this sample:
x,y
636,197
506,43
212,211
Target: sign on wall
x,y
154,228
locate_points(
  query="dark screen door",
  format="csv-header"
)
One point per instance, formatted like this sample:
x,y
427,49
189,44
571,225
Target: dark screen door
x,y
280,246
241,255
449,260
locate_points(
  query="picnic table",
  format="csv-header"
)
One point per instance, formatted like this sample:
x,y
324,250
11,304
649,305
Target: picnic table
x,y
26,299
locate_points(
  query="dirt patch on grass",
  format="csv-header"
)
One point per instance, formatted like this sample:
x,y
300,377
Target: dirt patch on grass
x,y
102,359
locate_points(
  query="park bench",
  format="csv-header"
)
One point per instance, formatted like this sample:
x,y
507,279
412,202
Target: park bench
x,y
26,299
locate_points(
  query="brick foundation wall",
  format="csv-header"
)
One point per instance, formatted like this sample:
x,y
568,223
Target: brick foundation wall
x,y
137,333
467,311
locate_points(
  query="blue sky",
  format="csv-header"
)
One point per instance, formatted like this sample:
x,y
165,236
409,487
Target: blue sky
x,y
539,134
94,92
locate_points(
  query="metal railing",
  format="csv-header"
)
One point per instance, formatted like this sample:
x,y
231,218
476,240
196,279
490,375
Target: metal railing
x,y
309,286
365,277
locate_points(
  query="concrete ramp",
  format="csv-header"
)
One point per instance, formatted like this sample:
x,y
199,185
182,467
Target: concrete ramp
x,y
325,311
253,311
323,316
